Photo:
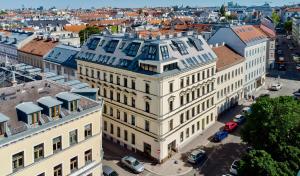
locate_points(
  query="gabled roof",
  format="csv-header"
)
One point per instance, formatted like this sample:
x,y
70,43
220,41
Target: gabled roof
x,y
248,33
38,47
226,57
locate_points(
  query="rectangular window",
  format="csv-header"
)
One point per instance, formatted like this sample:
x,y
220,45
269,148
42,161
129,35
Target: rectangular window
x,y
181,136
193,129
132,138
132,84
198,125
58,170
147,125
171,87
118,132
105,125
74,164
164,52
111,129
187,132
125,135
88,156
133,102
181,118
171,125
133,120
181,83
18,161
147,88
147,106
125,82
56,144
38,152
73,137
87,131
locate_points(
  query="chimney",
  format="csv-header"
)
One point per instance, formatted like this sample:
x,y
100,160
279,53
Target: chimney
x,y
13,81
223,43
217,44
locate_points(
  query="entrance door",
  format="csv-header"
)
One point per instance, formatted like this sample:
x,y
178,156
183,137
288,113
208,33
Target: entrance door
x,y
147,149
172,146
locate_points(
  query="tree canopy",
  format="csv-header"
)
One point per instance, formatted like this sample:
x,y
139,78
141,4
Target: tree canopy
x,y
222,10
288,26
273,129
90,30
275,17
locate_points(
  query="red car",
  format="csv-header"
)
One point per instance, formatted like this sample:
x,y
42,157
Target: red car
x,y
230,126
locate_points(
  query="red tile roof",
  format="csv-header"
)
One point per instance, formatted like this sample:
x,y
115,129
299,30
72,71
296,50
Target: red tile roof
x,y
38,47
226,57
248,33
75,28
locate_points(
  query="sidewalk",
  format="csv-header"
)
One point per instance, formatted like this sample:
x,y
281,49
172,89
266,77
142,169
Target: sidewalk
x,y
176,166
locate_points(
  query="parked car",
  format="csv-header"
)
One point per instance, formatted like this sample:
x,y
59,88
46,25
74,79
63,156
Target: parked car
x,y
281,67
298,67
239,119
276,87
220,135
233,167
133,164
246,110
196,156
230,126
108,171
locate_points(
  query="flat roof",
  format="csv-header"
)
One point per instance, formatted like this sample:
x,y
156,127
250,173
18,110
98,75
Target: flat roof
x,y
49,101
28,107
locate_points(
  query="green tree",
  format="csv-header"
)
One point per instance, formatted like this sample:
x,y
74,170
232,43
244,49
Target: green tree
x,y
275,17
90,30
274,127
222,10
258,162
288,26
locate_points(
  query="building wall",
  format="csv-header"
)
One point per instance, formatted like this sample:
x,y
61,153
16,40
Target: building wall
x,y
63,157
296,30
30,59
68,73
255,67
160,117
229,87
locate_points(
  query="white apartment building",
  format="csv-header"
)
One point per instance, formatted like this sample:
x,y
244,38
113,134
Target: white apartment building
x,y
250,43
159,93
230,75
296,30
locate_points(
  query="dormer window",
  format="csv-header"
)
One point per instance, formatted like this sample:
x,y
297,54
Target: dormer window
x,y
51,106
55,111
73,105
3,121
35,117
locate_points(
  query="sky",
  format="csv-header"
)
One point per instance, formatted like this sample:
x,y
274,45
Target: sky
x,y
4,4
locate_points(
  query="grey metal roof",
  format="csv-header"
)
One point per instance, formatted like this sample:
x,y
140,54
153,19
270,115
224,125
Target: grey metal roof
x,y
44,23
28,107
3,118
14,38
85,90
49,101
64,55
72,82
80,86
67,96
58,77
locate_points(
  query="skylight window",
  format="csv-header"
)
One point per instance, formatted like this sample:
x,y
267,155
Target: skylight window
x,y
111,46
164,52
152,50
122,45
181,47
183,62
93,43
132,49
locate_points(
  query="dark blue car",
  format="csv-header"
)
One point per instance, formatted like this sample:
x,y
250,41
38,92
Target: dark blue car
x,y
220,135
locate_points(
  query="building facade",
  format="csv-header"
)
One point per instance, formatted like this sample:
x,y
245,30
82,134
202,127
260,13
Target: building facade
x,y
53,132
250,43
34,51
159,93
230,75
296,30
11,41
61,61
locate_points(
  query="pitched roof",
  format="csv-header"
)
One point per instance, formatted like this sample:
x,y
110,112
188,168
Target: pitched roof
x,y
38,47
248,33
269,32
226,57
74,28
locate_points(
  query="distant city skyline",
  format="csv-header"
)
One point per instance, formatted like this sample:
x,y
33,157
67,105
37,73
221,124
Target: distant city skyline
x,y
5,4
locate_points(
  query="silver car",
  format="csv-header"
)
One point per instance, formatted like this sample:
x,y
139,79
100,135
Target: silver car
x,y
133,164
